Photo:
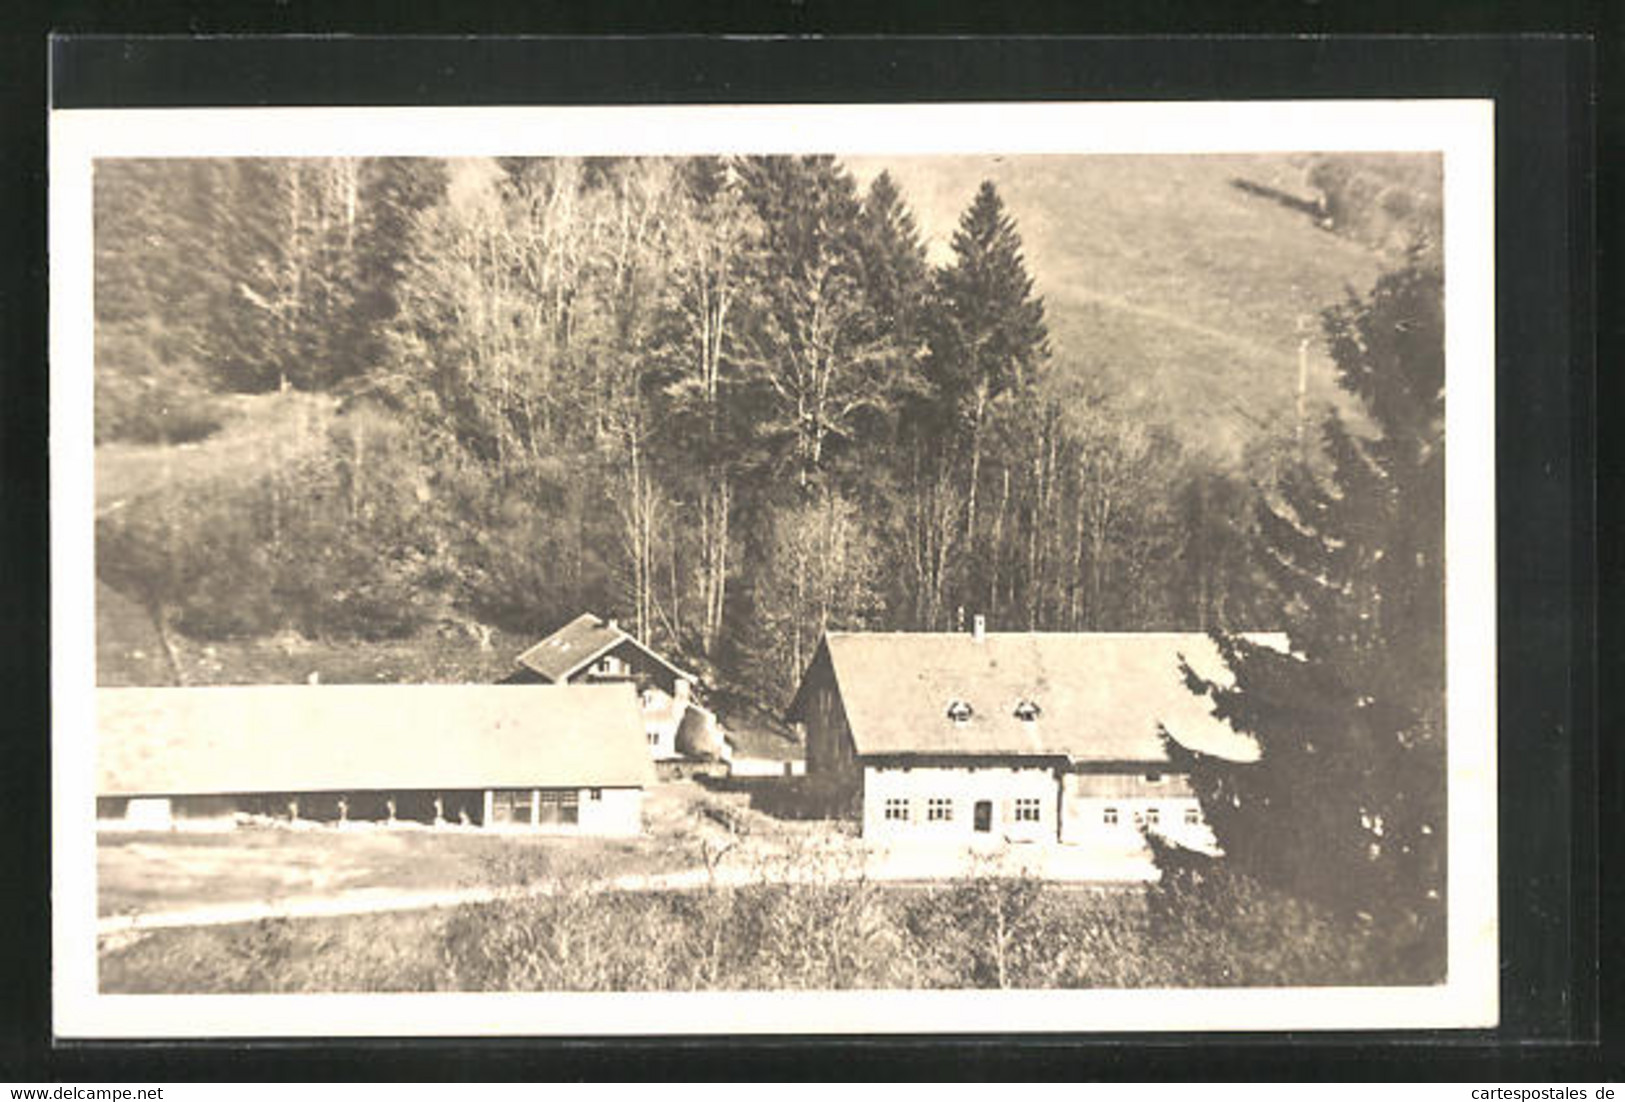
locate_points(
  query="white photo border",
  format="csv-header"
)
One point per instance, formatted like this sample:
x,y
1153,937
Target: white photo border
x,y
1461,130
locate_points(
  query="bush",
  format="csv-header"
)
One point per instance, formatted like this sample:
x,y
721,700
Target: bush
x,y
145,399
1214,925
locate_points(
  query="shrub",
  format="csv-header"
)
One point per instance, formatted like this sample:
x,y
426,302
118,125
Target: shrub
x,y
1213,925
144,398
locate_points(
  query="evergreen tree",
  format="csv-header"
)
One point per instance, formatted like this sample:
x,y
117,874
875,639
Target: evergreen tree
x,y
1345,805
987,334
895,276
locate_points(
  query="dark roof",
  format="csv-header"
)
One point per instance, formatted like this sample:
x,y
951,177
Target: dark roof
x,y
581,642
1101,696
303,738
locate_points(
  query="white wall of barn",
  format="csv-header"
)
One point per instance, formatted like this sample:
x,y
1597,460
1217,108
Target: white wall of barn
x,y
617,812
610,812
963,787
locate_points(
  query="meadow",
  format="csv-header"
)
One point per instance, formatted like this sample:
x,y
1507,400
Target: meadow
x,y
818,933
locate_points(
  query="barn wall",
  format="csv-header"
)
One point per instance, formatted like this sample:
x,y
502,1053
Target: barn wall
x,y
612,812
1086,809
963,786
618,812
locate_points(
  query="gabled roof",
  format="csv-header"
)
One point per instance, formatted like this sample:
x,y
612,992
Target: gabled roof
x,y
1101,695
304,738
581,642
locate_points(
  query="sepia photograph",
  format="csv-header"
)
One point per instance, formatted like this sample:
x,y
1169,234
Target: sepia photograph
x,y
756,562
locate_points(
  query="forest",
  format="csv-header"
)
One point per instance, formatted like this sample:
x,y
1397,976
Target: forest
x,y
734,401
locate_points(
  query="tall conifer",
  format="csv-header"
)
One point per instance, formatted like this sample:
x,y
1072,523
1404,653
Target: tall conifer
x,y
1346,804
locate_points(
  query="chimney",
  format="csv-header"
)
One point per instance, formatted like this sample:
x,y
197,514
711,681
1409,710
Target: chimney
x,y
614,624
681,691
978,630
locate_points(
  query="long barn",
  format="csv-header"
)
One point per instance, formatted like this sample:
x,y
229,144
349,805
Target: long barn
x,y
564,759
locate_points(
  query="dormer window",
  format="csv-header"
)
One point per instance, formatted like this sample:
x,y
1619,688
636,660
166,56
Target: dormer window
x,y
1027,710
959,711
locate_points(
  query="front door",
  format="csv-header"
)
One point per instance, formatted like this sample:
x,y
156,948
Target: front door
x,y
982,816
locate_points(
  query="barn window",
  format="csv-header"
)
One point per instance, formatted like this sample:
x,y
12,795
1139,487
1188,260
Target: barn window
x,y
510,805
959,711
939,809
1109,816
1192,816
897,810
1027,810
1027,710
558,806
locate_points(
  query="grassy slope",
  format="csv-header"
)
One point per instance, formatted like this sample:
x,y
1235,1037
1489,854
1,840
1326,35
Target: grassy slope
x,y
262,431
1181,289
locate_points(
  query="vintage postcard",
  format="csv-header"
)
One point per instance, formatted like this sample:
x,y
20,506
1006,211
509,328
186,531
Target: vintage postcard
x,y
773,569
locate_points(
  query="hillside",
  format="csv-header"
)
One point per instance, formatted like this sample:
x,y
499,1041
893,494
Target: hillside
x,y
262,432
582,456
1183,290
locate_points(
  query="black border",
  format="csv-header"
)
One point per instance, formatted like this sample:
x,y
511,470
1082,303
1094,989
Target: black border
x,y
1550,889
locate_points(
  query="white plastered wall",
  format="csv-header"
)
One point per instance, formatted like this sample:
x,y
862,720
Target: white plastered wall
x,y
1084,821
1002,786
617,812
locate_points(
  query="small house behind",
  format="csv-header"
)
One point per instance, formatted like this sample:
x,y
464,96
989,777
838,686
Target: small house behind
x,y
566,759
591,650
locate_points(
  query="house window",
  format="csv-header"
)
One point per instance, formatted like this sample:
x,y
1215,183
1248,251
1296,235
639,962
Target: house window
x,y
654,738
939,809
606,665
1152,816
897,810
1027,711
1192,816
1109,816
959,711
1027,810
1153,778
595,794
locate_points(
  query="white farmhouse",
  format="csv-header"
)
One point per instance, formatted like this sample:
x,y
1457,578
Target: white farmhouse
x,y
1014,737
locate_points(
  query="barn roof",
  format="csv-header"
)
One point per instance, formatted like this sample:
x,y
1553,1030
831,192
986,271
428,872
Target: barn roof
x,y
581,642
302,738
1101,696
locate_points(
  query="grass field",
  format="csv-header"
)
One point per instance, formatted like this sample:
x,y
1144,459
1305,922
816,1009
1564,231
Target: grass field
x,y
146,872
977,932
